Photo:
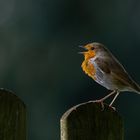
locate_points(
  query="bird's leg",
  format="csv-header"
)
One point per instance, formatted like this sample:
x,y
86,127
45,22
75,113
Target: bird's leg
x,y
104,98
114,99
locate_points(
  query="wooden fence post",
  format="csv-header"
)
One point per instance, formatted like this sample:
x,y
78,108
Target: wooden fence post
x,y
88,121
12,117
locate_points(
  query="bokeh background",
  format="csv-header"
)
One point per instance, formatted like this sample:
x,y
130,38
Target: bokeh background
x,y
39,42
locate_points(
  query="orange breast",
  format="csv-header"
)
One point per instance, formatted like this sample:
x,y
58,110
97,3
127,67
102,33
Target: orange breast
x,y
88,68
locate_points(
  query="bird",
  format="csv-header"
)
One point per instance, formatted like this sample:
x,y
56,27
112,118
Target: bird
x,y
105,69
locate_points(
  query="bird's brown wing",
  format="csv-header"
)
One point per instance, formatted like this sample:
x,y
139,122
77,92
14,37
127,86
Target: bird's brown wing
x,y
113,67
103,65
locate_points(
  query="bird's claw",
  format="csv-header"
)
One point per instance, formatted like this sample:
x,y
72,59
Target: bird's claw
x,y
102,104
113,108
98,101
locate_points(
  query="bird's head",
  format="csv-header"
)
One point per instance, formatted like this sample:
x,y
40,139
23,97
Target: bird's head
x,y
92,49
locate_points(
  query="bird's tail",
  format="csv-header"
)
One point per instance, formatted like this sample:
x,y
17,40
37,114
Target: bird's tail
x,y
136,87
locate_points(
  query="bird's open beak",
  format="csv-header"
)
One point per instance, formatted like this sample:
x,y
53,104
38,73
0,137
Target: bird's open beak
x,y
83,51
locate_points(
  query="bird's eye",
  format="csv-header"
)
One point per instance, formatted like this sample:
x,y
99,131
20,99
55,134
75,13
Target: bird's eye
x,y
92,48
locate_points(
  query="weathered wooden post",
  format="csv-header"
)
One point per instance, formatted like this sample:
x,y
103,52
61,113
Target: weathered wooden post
x,y
88,121
12,117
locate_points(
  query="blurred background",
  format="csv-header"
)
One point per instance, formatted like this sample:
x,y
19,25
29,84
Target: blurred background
x,y
39,57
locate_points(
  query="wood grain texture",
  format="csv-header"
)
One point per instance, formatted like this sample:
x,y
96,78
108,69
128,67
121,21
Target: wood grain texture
x,y
12,117
88,121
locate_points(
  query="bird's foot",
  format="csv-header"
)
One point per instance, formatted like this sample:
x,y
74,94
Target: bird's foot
x,y
101,102
113,108
98,101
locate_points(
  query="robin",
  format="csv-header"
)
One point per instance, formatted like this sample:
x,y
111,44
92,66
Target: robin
x,y
106,70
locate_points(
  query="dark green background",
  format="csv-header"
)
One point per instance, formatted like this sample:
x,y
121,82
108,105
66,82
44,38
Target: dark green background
x,y
39,59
